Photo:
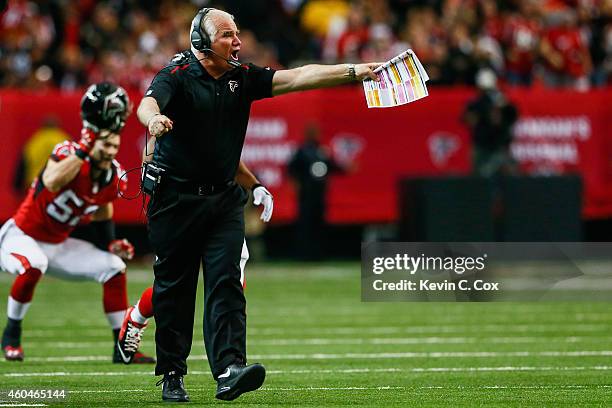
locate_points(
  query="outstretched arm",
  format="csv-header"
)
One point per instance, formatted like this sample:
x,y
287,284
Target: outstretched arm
x,y
320,76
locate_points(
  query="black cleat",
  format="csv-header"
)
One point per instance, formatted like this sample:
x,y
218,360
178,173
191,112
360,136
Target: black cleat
x,y
13,353
173,389
238,379
11,341
129,339
128,342
138,358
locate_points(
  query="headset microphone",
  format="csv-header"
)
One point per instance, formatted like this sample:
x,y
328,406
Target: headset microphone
x,y
233,63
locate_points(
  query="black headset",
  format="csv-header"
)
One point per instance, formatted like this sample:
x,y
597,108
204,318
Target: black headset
x,y
200,39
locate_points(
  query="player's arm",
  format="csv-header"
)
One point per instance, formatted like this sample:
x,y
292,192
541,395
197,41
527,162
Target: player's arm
x,y
104,232
104,213
60,172
320,76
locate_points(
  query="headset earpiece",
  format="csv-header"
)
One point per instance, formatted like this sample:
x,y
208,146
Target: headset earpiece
x,y
199,38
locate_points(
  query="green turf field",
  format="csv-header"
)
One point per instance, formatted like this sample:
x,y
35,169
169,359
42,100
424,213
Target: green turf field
x,y
323,347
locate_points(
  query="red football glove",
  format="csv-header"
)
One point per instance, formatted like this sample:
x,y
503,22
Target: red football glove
x,y
122,248
88,138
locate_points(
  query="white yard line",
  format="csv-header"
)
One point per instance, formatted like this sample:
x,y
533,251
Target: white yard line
x,y
536,327
81,374
379,388
445,369
23,405
442,354
355,341
383,387
459,328
113,391
328,371
335,356
488,387
522,387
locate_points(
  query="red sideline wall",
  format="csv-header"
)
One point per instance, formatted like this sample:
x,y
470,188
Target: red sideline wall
x,y
559,132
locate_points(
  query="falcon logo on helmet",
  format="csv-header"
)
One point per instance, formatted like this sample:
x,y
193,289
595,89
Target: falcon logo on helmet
x,y
105,106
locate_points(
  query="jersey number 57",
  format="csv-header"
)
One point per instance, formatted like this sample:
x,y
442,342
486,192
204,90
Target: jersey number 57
x,y
60,210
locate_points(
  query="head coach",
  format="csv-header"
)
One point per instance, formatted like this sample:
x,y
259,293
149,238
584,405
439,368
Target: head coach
x,y
198,108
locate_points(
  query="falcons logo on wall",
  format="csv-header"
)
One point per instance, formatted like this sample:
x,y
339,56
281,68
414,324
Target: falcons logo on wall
x,y
441,147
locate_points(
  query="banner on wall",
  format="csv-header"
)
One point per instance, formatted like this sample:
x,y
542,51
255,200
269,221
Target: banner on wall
x,y
424,139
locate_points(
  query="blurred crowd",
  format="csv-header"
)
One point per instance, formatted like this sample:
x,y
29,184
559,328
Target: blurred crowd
x,y
70,43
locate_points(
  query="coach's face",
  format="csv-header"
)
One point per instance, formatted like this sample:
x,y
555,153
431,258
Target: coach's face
x,y
105,149
226,42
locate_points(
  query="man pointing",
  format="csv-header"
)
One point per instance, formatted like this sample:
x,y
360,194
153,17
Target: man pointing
x,y
198,107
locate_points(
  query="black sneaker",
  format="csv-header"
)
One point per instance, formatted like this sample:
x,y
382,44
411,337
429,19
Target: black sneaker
x,y
238,379
173,389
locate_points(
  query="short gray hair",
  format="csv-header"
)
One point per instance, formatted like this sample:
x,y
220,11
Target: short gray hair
x,y
208,24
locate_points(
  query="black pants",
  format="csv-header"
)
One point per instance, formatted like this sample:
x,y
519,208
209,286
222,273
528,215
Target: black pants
x,y
186,230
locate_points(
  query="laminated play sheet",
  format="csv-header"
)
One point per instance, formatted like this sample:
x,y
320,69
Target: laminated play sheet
x,y
402,80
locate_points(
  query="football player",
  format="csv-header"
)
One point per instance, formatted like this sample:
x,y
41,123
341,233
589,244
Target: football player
x,y
77,186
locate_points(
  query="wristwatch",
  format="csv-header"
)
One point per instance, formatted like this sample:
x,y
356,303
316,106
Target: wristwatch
x,y
351,72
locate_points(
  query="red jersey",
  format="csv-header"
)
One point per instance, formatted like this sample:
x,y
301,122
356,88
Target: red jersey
x,y
522,37
570,44
51,217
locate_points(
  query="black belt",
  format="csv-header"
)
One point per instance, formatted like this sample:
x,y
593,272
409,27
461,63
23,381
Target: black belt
x,y
200,189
